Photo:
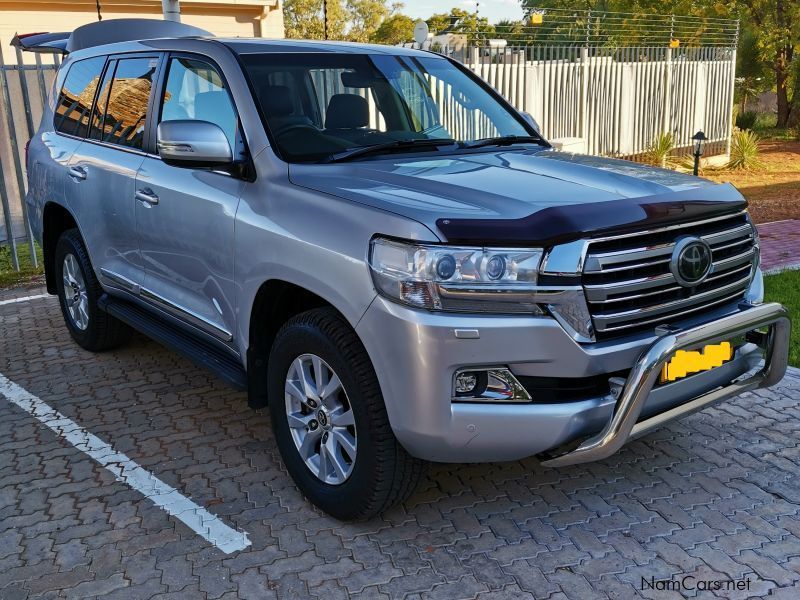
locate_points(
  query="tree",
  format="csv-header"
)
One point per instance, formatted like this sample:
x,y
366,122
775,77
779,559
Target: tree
x,y
351,20
394,30
303,19
465,22
776,26
365,18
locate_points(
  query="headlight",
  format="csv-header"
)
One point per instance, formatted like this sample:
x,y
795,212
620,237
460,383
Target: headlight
x,y
457,278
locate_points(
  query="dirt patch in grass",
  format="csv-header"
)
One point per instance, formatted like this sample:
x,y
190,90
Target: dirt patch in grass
x,y
774,192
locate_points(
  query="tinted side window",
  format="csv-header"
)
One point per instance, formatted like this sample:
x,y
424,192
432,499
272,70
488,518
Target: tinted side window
x,y
126,113
96,130
76,96
195,90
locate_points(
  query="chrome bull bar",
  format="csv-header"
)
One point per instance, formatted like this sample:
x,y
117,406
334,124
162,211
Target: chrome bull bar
x,y
624,425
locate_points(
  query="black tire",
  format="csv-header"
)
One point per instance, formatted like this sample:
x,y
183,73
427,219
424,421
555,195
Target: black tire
x,y
383,473
102,332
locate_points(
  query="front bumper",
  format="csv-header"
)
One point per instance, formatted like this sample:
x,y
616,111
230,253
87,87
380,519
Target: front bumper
x,y
416,353
625,423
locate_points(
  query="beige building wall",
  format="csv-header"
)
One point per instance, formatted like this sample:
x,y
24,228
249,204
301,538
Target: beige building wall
x,y
224,18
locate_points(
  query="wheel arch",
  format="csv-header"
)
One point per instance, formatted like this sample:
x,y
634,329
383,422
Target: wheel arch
x,y
56,219
275,302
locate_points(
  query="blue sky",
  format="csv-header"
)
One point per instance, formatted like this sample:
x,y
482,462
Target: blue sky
x,y
495,10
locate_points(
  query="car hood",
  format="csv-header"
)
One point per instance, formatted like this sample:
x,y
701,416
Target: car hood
x,y
514,195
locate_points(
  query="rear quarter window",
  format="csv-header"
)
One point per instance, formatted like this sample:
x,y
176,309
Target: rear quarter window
x,y
76,96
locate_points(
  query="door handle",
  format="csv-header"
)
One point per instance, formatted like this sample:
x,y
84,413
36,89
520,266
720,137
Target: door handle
x,y
77,173
147,196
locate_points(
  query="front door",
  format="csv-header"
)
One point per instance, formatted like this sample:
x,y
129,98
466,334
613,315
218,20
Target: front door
x,y
185,216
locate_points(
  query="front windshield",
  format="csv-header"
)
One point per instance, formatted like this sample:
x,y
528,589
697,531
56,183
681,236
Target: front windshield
x,y
319,104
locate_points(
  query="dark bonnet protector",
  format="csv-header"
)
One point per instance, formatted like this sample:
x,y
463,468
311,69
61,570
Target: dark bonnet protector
x,y
565,223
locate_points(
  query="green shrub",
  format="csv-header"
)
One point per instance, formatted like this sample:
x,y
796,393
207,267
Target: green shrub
x,y
660,152
746,120
745,151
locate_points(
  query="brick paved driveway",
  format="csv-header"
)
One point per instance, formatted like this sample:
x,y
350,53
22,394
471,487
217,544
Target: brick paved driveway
x,y
715,496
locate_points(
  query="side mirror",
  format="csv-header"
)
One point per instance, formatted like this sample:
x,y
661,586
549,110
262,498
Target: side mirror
x,y
531,121
191,143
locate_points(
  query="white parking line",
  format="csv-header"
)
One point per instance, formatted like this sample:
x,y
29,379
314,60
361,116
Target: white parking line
x,y
128,471
25,299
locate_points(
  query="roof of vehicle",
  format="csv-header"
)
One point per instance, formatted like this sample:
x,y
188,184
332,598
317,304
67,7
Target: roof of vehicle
x,y
262,45
101,33
112,35
124,30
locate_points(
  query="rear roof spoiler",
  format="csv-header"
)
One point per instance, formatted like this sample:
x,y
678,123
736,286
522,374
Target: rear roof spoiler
x,y
105,32
50,43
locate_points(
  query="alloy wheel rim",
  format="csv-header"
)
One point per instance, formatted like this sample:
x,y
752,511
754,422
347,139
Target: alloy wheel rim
x,y
320,419
75,295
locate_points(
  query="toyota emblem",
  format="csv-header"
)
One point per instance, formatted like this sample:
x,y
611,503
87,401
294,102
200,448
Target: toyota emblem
x,y
691,261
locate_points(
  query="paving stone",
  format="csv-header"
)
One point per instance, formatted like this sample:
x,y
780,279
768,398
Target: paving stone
x,y
713,495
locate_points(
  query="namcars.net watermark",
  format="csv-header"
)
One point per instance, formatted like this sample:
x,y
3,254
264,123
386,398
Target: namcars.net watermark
x,y
691,583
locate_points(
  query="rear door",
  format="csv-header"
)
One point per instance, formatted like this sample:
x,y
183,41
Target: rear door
x,y
185,216
50,154
103,169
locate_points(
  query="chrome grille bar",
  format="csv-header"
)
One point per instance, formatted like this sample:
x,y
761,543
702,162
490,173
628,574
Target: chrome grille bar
x,y
629,285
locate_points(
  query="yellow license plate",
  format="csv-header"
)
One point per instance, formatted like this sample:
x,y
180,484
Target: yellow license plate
x,y
685,362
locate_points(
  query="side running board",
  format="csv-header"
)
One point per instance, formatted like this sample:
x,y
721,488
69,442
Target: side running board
x,y
202,353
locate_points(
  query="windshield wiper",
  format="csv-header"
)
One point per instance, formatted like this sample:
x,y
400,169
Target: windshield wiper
x,y
393,146
507,140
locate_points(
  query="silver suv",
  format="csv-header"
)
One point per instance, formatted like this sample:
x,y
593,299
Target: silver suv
x,y
376,242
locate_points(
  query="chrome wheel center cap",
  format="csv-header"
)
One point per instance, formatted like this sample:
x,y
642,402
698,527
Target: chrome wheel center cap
x,y
323,419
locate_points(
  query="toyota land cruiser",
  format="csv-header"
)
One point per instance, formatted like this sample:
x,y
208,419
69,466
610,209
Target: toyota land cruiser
x,y
382,250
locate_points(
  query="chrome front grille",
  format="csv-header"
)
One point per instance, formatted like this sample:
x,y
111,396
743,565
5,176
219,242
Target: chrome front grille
x,y
629,286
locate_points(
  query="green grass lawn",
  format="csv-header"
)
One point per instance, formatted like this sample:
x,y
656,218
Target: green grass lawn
x,y
8,276
785,288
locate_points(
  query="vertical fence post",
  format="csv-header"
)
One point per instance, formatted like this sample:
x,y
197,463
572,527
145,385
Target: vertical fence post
x,y
584,99
12,243
12,134
26,100
732,94
666,117
5,106
40,79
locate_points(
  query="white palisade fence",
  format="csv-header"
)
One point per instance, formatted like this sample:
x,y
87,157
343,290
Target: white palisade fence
x,y
615,101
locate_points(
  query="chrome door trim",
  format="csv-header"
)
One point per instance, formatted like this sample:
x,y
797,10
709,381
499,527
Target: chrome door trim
x,y
186,315
120,280
173,320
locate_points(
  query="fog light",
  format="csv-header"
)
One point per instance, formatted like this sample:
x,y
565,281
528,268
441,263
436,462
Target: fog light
x,y
495,384
466,382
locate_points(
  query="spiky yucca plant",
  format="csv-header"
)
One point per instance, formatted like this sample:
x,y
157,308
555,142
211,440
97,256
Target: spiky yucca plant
x,y
660,152
745,151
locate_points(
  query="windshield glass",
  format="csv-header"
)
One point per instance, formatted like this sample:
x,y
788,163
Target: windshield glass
x,y
319,104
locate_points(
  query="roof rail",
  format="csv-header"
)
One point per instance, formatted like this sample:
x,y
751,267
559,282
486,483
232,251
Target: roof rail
x,y
106,32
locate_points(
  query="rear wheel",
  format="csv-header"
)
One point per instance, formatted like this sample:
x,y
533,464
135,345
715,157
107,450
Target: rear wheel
x,y
330,421
78,293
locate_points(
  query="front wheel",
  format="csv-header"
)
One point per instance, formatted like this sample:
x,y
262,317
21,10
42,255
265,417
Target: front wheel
x,y
330,421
